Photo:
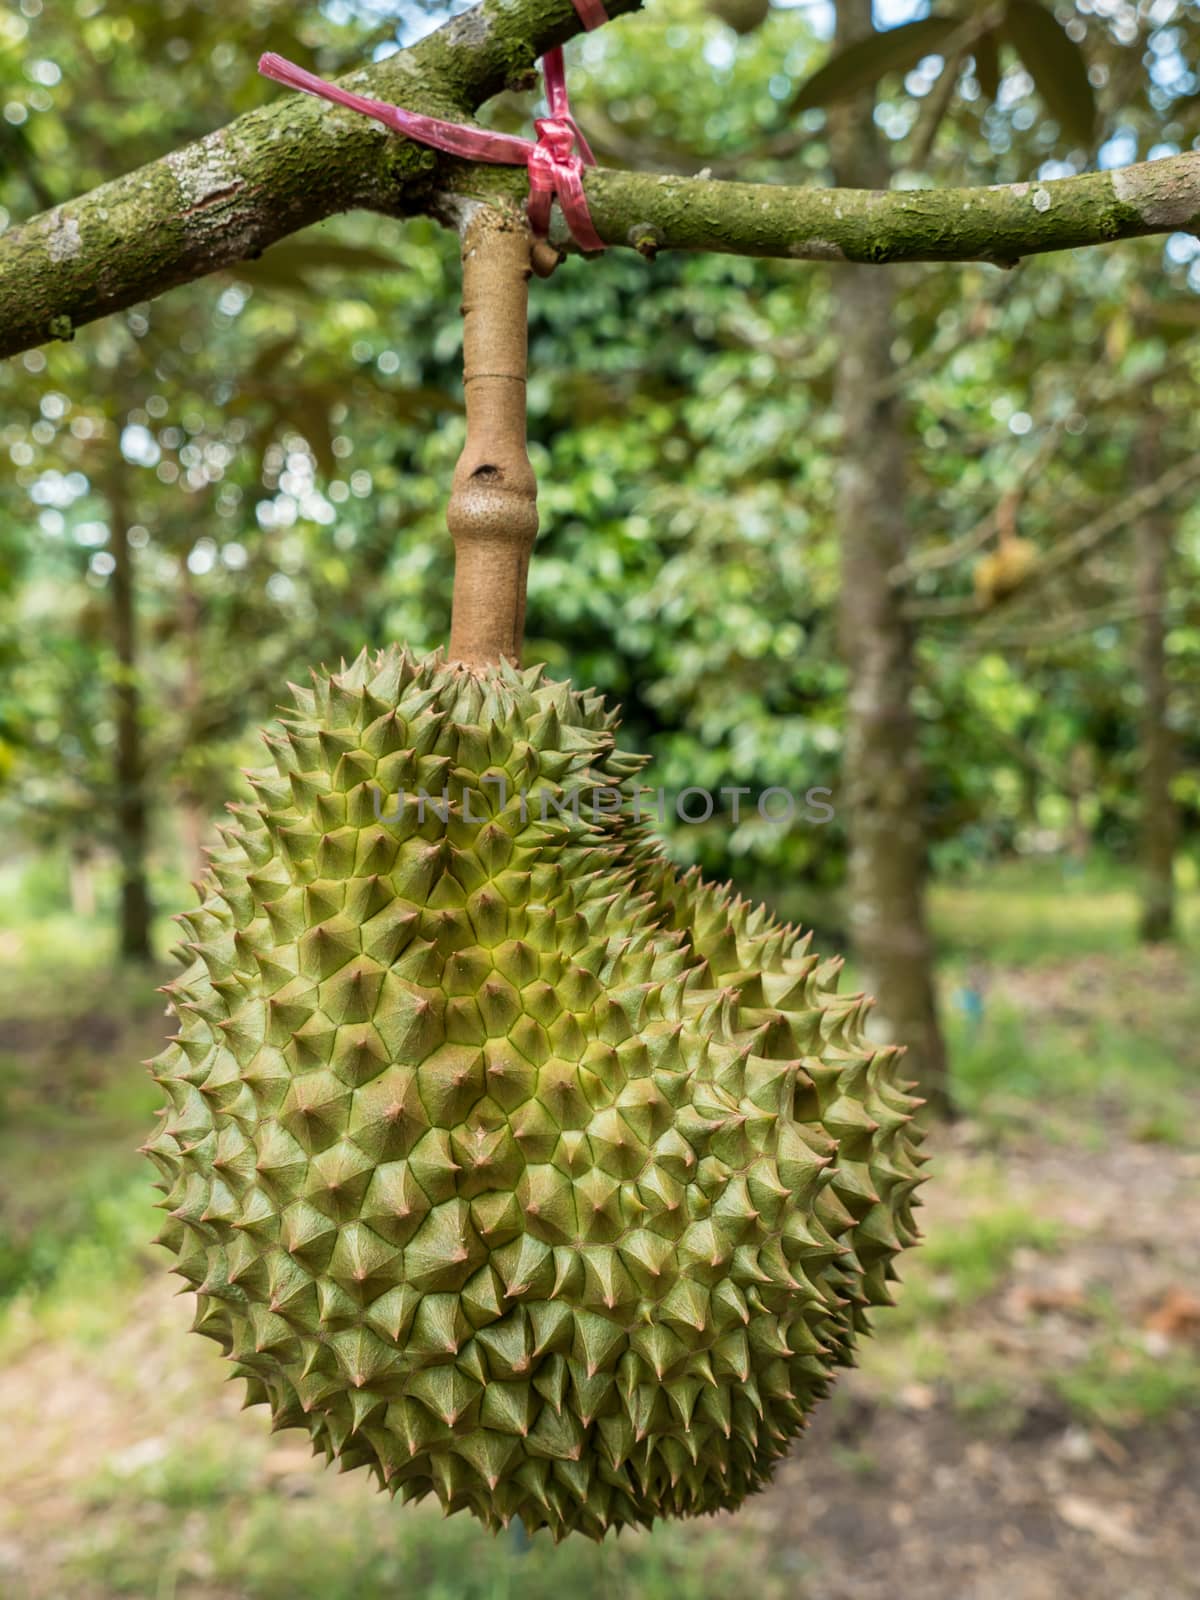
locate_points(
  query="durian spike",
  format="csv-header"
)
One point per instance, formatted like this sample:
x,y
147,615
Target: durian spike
x,y
492,513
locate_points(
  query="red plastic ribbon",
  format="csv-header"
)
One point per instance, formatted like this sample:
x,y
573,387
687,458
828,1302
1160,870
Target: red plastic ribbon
x,y
555,164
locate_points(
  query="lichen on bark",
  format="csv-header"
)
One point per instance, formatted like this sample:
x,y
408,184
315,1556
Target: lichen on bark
x,y
296,161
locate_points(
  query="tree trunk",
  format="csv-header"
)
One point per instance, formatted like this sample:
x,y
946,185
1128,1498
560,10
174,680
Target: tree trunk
x,y
131,811
882,777
1031,795
1081,775
81,880
1158,821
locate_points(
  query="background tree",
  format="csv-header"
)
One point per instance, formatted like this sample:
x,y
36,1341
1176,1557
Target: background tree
x,y
882,770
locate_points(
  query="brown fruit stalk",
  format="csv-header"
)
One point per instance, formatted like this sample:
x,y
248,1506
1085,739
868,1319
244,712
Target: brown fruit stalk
x,y
492,513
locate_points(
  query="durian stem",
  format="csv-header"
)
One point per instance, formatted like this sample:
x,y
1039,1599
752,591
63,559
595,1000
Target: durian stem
x,y
492,513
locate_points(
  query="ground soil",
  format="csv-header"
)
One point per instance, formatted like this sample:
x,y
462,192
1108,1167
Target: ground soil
x,y
896,1494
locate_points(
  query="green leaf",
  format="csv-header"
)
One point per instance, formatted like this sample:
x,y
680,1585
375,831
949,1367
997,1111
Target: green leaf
x,y
986,51
314,425
1179,312
270,358
861,65
291,265
1057,66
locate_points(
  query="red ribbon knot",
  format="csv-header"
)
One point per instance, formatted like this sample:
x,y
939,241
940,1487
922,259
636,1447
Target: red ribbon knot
x,y
555,162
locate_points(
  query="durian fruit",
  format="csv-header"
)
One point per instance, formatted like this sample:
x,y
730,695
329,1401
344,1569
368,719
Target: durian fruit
x,y
509,1162
1005,570
1012,563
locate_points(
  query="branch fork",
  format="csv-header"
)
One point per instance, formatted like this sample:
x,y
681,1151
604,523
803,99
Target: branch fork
x,y
284,166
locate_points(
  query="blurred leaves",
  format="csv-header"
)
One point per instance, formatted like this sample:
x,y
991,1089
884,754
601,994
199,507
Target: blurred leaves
x,y
987,64
861,65
1056,64
1053,60
300,265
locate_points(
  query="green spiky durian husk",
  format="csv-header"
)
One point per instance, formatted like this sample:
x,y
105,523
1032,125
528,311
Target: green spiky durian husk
x,y
506,1160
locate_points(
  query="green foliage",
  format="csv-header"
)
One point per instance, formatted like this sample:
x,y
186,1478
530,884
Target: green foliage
x,y
1055,63
282,439
861,65
91,1244
1049,53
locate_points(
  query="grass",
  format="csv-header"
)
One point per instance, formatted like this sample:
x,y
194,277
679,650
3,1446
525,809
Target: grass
x,y
1048,909
74,1104
204,1475
174,1527
1127,1378
1013,1069
1054,1011
1122,1384
964,1258
959,1263
1056,1018
73,1277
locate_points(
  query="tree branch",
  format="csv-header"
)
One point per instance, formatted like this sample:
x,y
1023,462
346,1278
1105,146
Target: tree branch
x,y
1000,224
949,555
1089,395
1048,634
297,161
270,172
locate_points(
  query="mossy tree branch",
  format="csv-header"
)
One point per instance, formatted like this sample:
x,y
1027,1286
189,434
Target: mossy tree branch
x,y
297,161
999,224
270,172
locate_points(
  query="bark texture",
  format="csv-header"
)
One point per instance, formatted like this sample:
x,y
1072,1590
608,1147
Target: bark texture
x,y
131,812
882,779
296,161
1158,819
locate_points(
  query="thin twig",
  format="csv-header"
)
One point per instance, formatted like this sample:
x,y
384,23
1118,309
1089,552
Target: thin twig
x,y
1055,632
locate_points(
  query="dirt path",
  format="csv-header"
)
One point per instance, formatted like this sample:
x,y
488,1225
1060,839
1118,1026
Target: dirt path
x,y
950,1516
895,1493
